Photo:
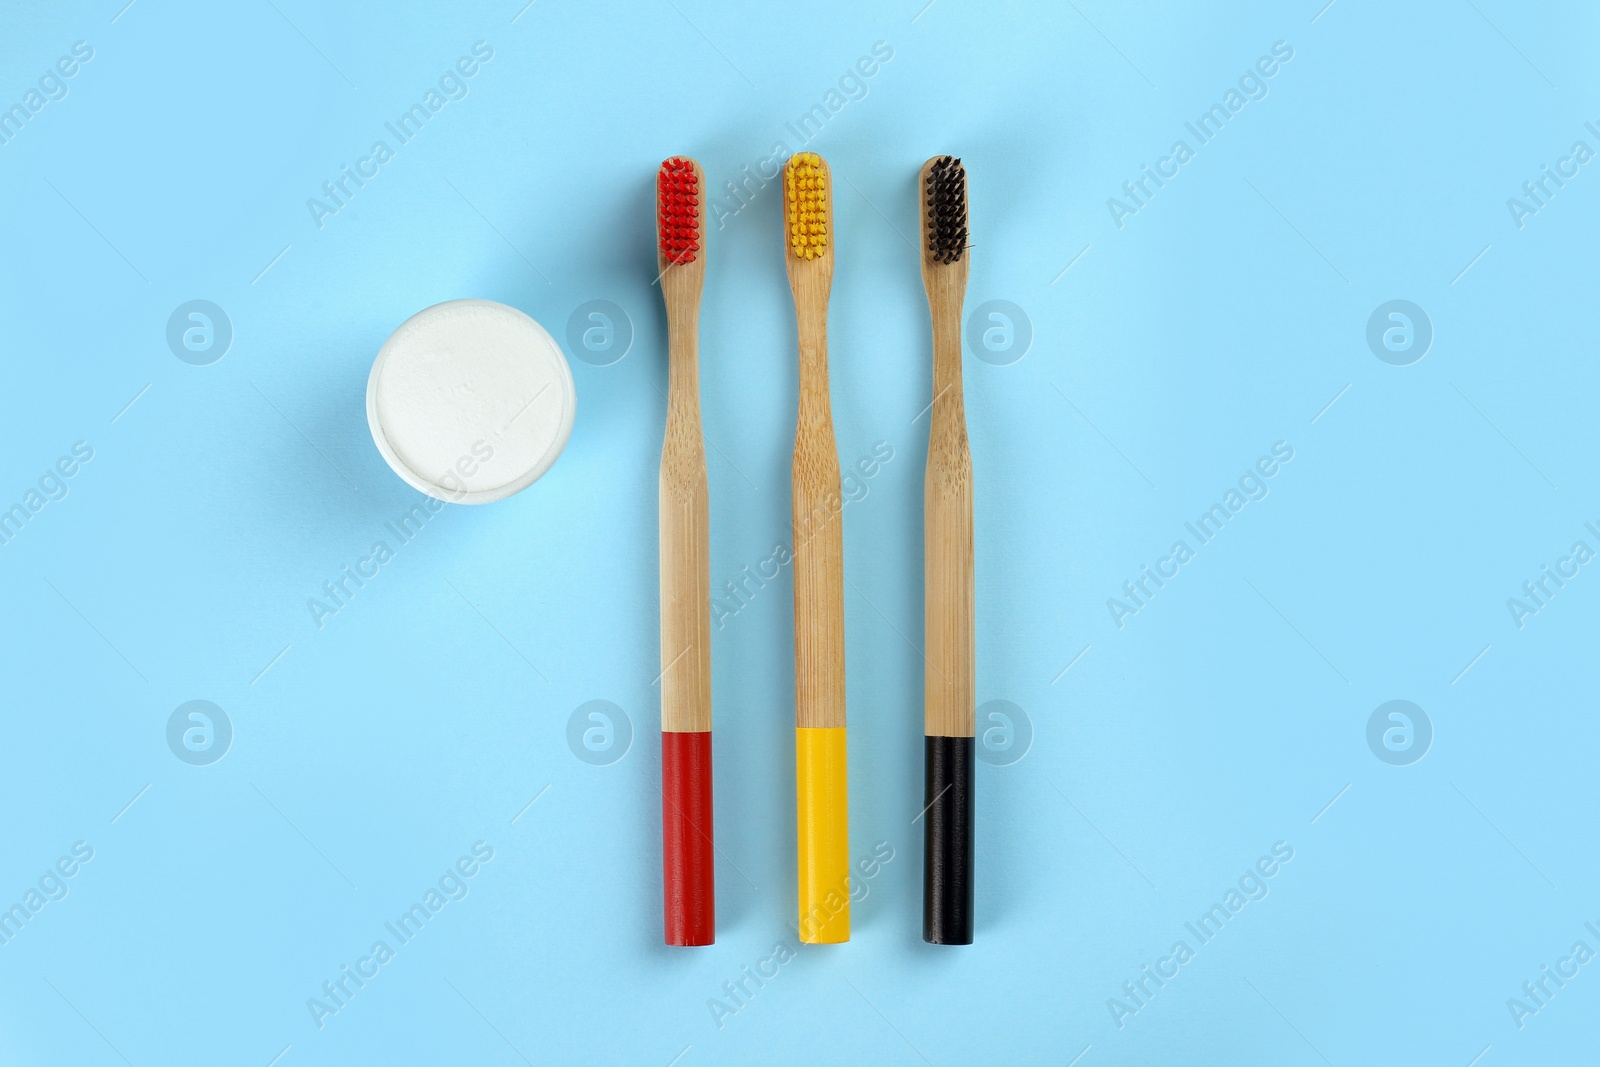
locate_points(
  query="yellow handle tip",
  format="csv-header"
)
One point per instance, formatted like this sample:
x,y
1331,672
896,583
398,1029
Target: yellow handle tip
x,y
822,794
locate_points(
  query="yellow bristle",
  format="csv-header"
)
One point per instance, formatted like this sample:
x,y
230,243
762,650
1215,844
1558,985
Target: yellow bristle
x,y
805,194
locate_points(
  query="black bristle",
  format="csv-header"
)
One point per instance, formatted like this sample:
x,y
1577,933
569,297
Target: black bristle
x,y
946,199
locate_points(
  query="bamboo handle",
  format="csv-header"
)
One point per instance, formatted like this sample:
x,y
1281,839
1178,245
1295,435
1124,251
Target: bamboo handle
x,y
821,781
685,548
949,674
686,809
947,549
818,529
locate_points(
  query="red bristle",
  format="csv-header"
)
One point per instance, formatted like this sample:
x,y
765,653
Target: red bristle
x,y
678,210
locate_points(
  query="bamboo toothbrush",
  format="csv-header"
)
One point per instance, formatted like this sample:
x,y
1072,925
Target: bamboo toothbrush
x,y
820,775
687,855
948,584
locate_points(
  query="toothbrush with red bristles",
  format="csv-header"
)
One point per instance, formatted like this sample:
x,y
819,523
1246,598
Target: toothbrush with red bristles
x,y
687,853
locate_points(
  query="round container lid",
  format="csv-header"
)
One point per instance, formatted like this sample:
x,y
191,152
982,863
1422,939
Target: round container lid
x,y
470,401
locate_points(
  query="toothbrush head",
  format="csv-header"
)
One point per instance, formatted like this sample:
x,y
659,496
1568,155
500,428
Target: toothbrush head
x,y
680,226
806,202
944,202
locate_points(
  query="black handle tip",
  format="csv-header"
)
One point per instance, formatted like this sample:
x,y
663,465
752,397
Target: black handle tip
x,y
947,841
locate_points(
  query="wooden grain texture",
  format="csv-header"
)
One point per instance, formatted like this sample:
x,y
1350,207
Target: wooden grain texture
x,y
685,522
949,684
817,503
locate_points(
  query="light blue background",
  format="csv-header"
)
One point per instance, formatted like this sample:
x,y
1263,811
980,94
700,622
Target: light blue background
x,y
425,716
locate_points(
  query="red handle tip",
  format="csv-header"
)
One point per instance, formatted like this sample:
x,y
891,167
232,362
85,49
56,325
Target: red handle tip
x,y
687,853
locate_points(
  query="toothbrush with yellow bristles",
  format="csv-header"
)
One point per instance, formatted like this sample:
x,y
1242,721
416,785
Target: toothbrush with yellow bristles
x,y
822,809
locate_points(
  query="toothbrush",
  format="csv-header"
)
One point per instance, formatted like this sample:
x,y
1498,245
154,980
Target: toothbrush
x,y
819,720
687,851
950,693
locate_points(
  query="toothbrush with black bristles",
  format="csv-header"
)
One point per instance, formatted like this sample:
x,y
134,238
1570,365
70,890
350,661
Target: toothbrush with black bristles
x,y
950,692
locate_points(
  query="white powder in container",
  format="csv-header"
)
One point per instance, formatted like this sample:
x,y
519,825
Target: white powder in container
x,y
470,401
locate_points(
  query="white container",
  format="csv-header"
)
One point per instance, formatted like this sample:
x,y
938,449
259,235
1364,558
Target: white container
x,y
470,401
